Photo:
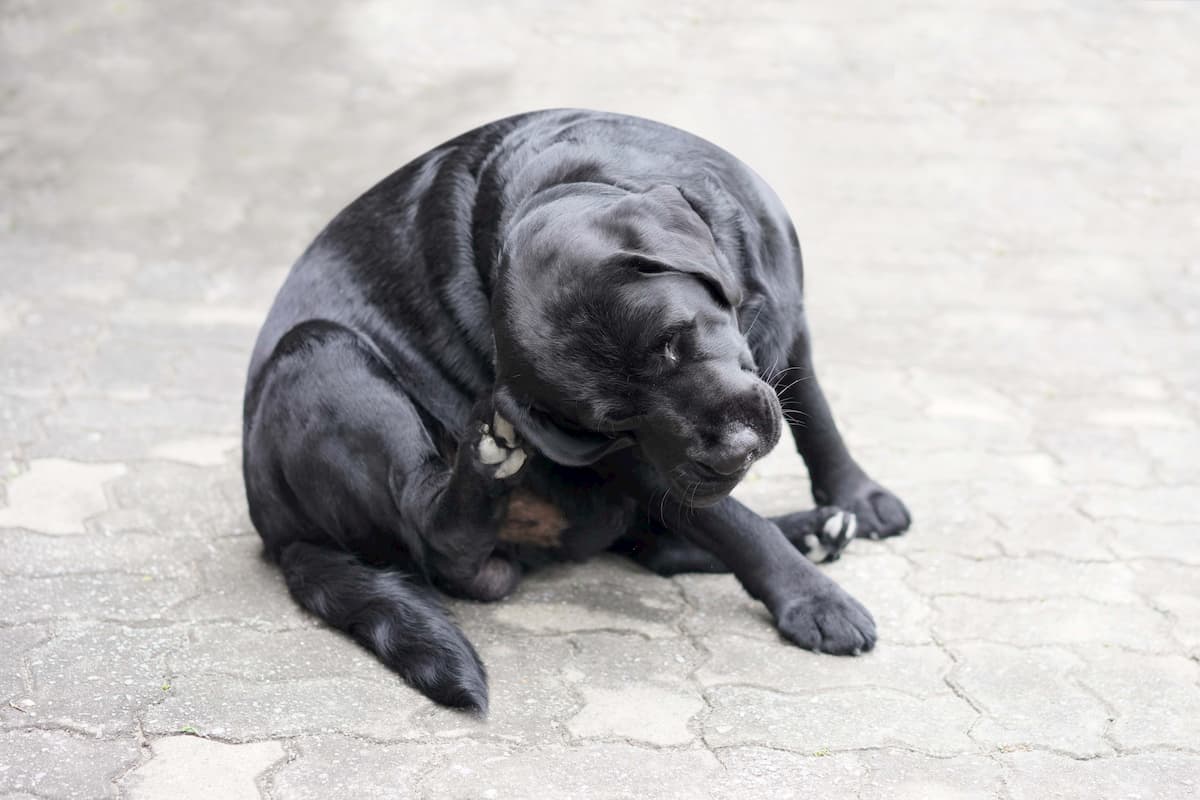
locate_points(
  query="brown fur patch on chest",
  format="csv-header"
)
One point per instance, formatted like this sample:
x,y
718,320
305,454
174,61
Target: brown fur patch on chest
x,y
532,520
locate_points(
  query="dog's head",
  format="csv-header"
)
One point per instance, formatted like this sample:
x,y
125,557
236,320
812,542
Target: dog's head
x,y
615,323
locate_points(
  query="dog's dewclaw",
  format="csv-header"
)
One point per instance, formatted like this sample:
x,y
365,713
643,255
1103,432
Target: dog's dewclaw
x,y
504,430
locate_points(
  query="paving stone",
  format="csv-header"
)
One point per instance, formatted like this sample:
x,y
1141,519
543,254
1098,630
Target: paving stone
x,y
14,677
236,583
237,709
1061,532
57,764
736,660
125,427
718,603
1171,588
25,372
1140,539
1088,455
183,500
56,496
19,426
1167,504
1024,578
779,775
200,451
950,522
1173,454
1155,699
639,714
879,580
1038,520
1001,280
838,720
531,692
125,367
98,678
574,599
886,774
188,767
232,649
143,554
1048,622
108,596
901,775
1045,776
605,771
1031,697
343,768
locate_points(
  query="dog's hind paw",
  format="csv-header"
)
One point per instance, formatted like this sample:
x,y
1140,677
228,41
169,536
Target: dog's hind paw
x,y
821,534
499,447
828,543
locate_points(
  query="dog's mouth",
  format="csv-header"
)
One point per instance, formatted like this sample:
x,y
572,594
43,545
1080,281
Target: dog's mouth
x,y
700,486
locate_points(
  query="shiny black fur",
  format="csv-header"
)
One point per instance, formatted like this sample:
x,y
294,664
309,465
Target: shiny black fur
x,y
630,297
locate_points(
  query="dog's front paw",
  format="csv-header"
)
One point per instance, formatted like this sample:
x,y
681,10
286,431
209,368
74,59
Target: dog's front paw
x,y
880,513
499,449
828,622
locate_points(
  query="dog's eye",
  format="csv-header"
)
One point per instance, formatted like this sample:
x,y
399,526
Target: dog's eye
x,y
670,347
648,267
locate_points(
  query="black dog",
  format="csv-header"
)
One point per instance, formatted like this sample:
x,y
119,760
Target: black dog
x,y
558,333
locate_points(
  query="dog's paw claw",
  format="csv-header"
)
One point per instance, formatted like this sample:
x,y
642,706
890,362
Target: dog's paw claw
x,y
511,465
827,544
504,431
499,447
490,451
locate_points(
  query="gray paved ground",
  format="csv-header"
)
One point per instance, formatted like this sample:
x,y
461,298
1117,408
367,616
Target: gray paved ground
x,y
1002,223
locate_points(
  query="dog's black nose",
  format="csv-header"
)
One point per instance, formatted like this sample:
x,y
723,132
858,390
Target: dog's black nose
x,y
734,454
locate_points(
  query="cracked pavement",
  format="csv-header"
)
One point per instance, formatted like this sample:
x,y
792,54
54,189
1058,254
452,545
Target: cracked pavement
x,y
1001,221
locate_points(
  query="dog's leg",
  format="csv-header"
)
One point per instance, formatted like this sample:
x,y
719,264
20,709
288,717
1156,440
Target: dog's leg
x,y
359,464
465,508
354,501
665,553
809,608
837,479
820,534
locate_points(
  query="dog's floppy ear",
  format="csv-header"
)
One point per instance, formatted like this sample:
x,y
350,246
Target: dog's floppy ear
x,y
681,241
573,448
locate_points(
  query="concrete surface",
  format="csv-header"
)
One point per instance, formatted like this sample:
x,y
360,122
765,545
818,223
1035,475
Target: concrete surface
x,y
1001,214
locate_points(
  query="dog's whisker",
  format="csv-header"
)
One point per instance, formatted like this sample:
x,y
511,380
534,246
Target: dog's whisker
x,y
793,383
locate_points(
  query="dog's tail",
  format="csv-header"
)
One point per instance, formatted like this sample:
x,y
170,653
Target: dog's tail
x,y
393,616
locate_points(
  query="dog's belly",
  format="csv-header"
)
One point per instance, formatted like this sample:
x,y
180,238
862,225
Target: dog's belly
x,y
532,520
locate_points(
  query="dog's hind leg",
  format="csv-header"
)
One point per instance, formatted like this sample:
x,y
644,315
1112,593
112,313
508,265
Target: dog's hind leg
x,y
820,534
346,485
334,438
